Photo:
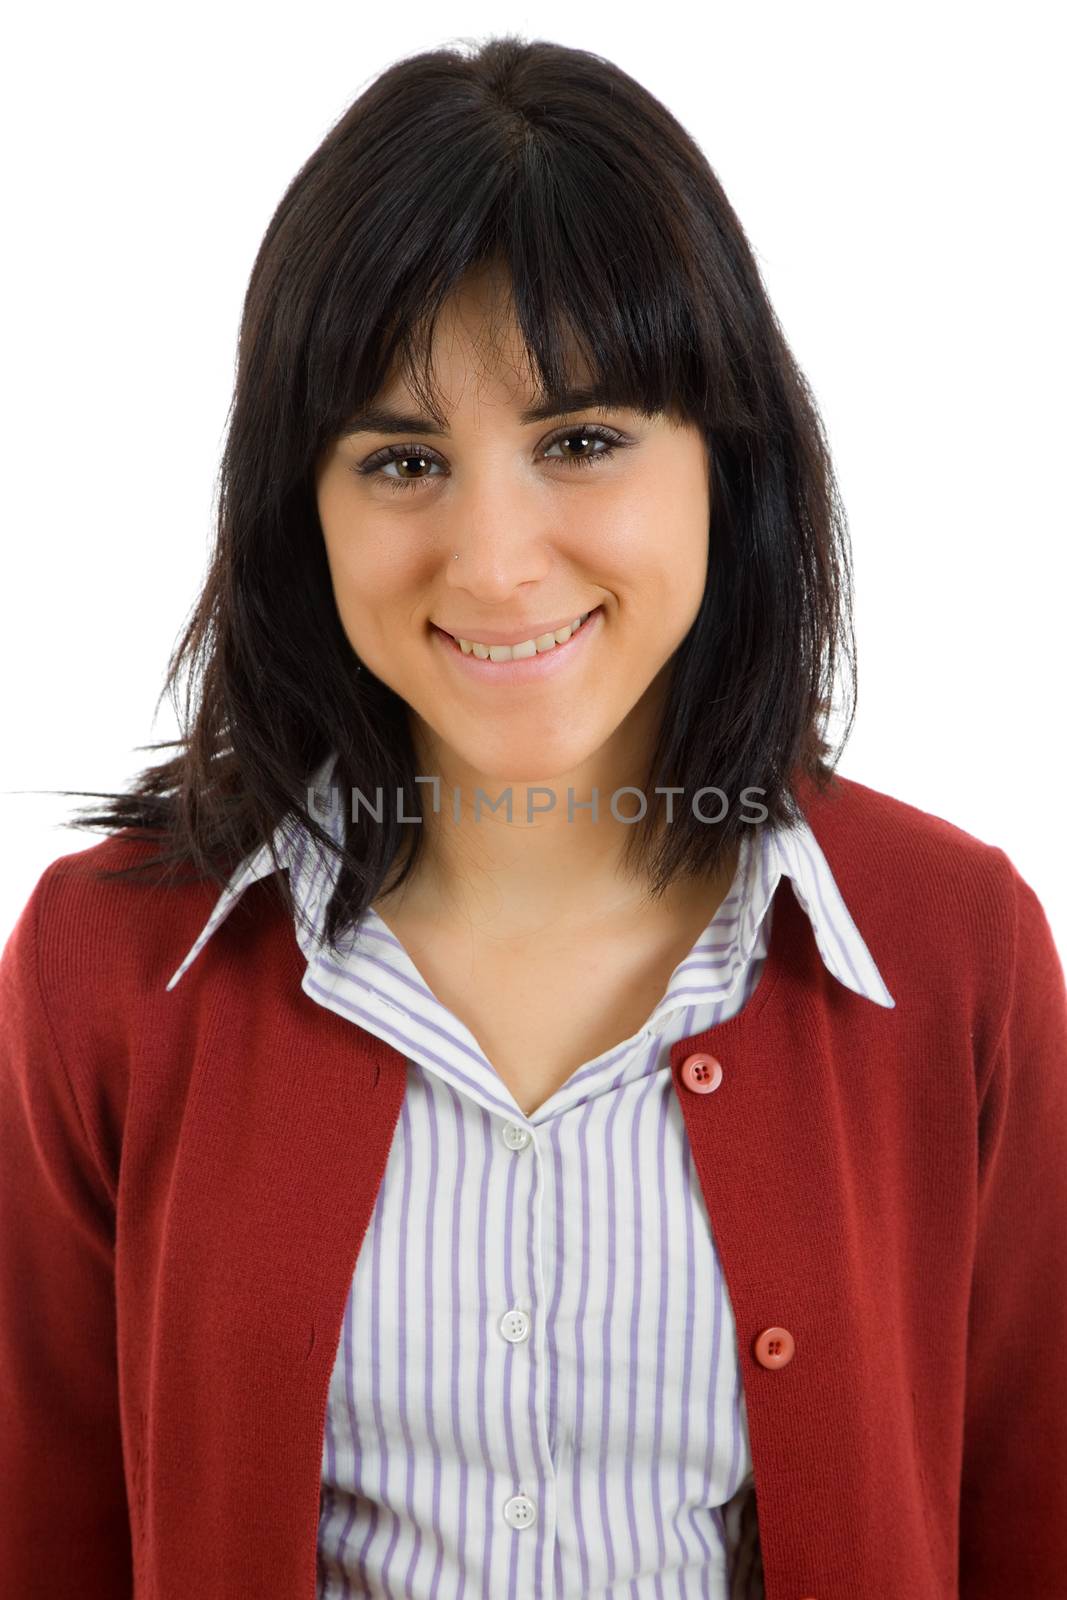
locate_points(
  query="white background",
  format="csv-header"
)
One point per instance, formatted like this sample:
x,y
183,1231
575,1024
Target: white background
x,y
899,172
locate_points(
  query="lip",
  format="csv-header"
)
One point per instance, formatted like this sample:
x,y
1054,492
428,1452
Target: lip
x,y
515,636
531,669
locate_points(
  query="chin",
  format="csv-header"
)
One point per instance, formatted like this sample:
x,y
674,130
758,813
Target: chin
x,y
547,762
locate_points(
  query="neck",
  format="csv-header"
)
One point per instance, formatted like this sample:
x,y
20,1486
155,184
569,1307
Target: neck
x,y
541,874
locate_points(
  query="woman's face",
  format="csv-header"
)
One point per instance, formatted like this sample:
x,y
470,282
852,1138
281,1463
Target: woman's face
x,y
541,540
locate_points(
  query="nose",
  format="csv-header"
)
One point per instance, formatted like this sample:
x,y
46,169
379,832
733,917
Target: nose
x,y
490,560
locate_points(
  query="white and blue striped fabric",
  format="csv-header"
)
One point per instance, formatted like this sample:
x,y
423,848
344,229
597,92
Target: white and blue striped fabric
x,y
537,1391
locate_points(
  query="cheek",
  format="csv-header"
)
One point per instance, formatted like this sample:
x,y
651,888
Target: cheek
x,y
662,570
347,589
369,579
654,535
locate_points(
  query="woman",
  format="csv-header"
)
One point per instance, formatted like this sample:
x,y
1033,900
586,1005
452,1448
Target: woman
x,y
514,1119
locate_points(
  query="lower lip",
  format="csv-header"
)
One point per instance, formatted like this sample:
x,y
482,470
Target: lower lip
x,y
530,669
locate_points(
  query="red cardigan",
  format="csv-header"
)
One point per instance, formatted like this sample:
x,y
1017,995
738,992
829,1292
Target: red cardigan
x,y
186,1179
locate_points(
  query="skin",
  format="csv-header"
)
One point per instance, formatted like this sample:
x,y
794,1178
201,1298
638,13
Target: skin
x,y
538,538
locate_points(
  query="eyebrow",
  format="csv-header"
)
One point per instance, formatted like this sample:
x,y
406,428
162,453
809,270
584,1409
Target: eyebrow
x,y
384,419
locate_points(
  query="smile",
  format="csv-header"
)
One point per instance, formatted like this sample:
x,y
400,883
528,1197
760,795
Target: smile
x,y
523,650
522,663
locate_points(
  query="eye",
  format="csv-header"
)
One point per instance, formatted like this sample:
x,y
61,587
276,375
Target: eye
x,y
407,455
414,458
593,434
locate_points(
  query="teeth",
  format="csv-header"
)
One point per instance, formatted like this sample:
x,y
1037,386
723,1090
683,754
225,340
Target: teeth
x,y
528,647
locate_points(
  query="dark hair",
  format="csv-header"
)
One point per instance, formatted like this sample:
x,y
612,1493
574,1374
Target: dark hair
x,y
615,233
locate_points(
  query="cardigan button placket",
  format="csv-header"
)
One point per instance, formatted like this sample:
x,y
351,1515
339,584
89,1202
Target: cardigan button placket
x,y
701,1073
774,1347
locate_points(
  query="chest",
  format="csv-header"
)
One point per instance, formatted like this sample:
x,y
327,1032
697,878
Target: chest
x,y
541,1011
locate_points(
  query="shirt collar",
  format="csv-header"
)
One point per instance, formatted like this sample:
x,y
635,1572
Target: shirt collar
x,y
290,848
787,852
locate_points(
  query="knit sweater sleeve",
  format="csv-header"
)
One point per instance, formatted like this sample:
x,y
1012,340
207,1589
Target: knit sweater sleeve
x,y
63,1509
1013,1518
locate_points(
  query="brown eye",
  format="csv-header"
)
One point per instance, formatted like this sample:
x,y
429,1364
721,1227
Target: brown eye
x,y
414,462
585,437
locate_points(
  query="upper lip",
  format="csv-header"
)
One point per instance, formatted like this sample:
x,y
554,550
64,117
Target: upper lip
x,y
531,630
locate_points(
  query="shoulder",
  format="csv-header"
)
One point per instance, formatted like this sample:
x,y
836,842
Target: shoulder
x,y
84,1006
88,927
110,925
103,931
887,848
939,907
84,950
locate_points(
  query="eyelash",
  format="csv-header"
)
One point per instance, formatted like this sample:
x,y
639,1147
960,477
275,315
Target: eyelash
x,y
401,452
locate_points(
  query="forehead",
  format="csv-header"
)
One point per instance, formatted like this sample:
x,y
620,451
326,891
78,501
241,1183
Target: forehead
x,y
474,350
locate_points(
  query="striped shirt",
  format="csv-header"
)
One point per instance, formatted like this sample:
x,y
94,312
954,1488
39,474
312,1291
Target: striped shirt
x,y
537,1389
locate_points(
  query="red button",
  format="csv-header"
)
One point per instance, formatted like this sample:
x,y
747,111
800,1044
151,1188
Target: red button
x,y
701,1073
774,1347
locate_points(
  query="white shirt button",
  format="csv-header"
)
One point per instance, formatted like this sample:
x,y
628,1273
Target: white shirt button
x,y
515,1326
520,1511
515,1136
